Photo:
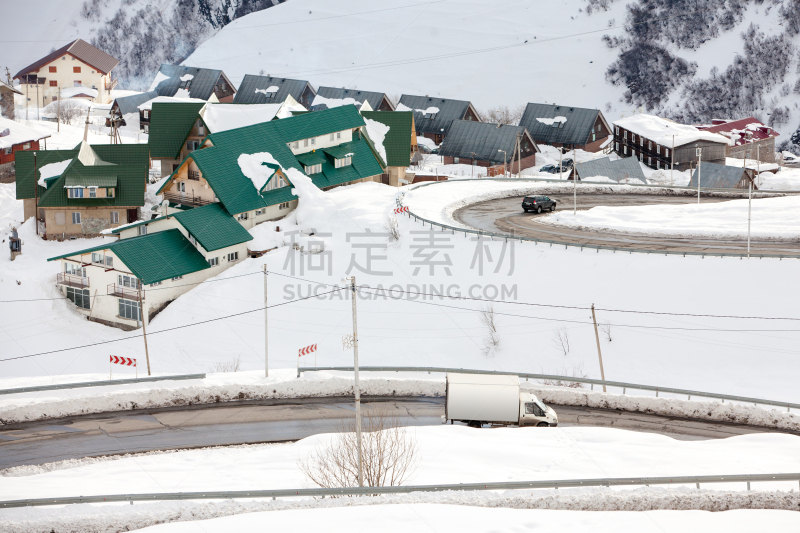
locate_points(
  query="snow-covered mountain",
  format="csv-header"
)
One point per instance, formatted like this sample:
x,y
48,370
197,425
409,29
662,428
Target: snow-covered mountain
x,y
692,60
141,33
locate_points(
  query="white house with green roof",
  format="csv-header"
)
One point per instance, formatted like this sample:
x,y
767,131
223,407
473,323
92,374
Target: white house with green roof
x,y
151,264
331,147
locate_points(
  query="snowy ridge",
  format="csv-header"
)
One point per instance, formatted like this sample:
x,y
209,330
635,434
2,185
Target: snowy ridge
x,y
124,398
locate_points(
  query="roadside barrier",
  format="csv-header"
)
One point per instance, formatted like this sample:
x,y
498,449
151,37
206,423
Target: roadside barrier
x,y
100,383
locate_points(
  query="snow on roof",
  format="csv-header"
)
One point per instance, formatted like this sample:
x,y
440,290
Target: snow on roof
x,y
223,117
330,103
661,130
89,157
161,99
752,164
52,170
187,77
429,111
13,132
377,133
268,90
160,76
742,131
253,167
69,92
551,121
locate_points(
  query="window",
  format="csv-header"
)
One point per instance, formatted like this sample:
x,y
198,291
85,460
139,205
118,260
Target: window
x,y
192,239
80,297
305,142
181,186
243,216
284,205
92,192
296,145
146,113
625,150
74,270
314,169
455,160
76,217
156,284
649,145
109,261
109,193
313,141
338,134
533,409
143,229
74,193
192,145
76,70
52,69
128,281
201,131
147,128
63,58
666,152
98,258
177,278
332,136
344,162
214,261
626,135
616,147
76,83
53,83
129,309
649,160
641,141
233,256
26,146
7,151
260,211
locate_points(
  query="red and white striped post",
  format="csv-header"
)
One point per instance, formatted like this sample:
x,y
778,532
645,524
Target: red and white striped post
x,y
305,351
124,361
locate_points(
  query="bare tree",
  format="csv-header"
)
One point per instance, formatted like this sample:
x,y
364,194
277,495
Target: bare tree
x,y
394,98
561,339
389,454
503,114
227,366
576,372
606,329
492,341
68,111
392,227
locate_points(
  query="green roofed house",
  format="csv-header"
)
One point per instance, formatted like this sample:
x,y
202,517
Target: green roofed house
x,y
245,169
83,191
175,130
164,257
400,143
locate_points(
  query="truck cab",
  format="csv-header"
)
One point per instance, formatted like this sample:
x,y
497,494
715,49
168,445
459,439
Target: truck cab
x,y
533,412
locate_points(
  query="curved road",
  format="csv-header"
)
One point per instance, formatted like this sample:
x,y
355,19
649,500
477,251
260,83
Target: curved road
x,y
194,426
506,216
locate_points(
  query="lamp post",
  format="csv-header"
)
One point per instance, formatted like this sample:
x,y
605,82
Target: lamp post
x,y
504,162
699,153
473,164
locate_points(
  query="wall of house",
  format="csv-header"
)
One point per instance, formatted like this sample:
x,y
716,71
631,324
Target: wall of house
x,y
272,212
196,189
323,141
64,76
152,227
6,103
59,226
763,150
105,306
7,156
627,144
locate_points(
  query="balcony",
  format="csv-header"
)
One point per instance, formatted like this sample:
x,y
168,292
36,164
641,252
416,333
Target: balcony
x,y
129,293
111,84
72,281
186,199
194,175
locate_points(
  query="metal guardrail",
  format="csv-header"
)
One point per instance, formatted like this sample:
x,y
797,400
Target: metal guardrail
x,y
101,383
507,236
356,491
550,377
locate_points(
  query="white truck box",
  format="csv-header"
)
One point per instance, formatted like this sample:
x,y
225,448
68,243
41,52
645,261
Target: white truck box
x,y
488,398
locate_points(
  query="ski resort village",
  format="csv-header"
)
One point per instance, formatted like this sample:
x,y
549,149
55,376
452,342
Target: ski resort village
x,y
439,266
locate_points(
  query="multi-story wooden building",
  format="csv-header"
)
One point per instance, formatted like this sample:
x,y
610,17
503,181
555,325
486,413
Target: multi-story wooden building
x,y
661,143
748,138
566,127
78,64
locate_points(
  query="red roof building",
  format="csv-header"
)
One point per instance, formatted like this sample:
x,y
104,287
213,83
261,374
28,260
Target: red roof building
x,y
749,138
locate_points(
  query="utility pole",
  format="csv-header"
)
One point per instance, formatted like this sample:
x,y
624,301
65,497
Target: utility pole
x,y
574,181
560,163
356,388
266,330
36,196
699,153
672,162
144,327
58,112
473,164
27,94
38,109
599,355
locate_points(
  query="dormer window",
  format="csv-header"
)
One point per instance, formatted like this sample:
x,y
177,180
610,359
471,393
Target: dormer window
x,y
75,193
313,169
344,161
185,84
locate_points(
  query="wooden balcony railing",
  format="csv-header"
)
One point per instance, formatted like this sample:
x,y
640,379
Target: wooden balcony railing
x,y
129,293
186,199
194,175
111,84
72,281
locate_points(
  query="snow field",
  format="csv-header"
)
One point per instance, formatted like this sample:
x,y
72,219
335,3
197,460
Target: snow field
x,y
500,454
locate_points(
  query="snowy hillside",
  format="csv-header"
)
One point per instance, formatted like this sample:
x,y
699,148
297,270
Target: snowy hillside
x,y
732,58
142,34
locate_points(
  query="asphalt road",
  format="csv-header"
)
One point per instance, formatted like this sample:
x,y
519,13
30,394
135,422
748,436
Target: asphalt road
x,y
198,426
506,216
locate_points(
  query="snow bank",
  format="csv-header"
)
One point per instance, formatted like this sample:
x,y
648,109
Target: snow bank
x,y
52,170
69,92
253,167
772,218
377,133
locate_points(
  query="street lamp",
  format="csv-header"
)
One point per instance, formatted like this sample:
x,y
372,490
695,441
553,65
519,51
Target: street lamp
x,y
473,164
504,162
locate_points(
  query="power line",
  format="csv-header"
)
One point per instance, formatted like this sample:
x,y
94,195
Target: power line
x,y
168,329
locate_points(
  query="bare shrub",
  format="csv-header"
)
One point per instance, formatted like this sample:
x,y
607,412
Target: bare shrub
x,y
389,454
492,341
503,114
68,111
561,339
227,366
392,227
576,372
606,330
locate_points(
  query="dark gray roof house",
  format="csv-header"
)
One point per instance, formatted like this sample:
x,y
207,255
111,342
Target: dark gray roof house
x,y
559,125
433,116
715,176
268,90
377,101
130,104
200,83
621,170
483,141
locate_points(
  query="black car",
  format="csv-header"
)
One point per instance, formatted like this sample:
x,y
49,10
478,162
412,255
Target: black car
x,y
549,168
538,204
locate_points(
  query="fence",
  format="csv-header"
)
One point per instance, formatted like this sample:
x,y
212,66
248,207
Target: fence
x,y
549,377
506,236
100,383
356,491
